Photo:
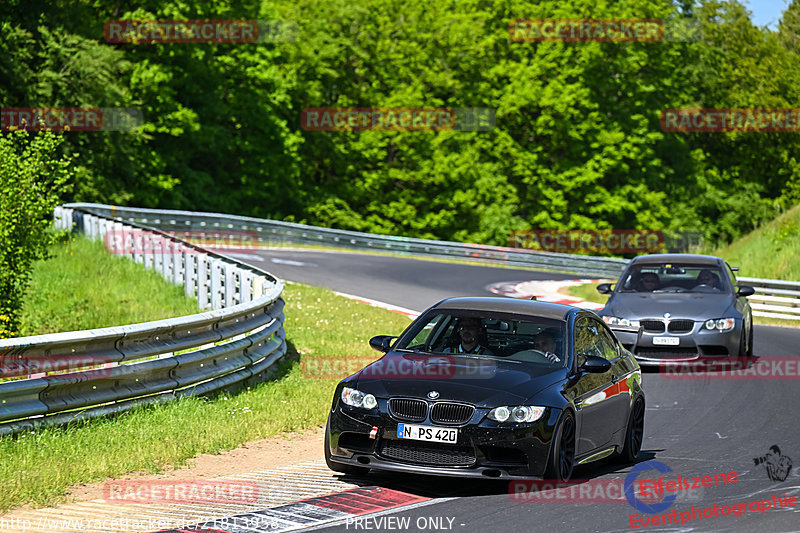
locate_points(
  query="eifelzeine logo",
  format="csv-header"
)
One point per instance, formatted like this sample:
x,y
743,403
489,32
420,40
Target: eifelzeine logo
x,y
198,31
727,120
397,118
576,30
70,118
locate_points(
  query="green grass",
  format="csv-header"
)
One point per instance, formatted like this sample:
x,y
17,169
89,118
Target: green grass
x,y
83,287
38,467
771,251
588,292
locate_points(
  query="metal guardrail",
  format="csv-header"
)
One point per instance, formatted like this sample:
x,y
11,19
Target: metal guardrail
x,y
272,231
773,298
237,340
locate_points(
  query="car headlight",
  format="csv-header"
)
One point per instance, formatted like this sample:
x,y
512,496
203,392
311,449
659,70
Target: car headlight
x,y
516,413
722,324
356,398
619,321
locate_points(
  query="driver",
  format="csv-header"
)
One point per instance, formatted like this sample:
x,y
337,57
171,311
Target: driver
x,y
545,342
649,282
470,331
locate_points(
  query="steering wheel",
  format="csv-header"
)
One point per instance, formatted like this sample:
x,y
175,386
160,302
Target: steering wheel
x,y
671,288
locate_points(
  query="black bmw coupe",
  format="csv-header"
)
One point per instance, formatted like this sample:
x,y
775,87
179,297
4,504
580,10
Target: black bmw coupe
x,y
490,388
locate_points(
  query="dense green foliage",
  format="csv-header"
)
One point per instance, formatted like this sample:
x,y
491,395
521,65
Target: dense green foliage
x,y
32,175
577,143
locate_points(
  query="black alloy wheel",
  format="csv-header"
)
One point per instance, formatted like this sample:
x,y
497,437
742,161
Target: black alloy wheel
x,y
562,458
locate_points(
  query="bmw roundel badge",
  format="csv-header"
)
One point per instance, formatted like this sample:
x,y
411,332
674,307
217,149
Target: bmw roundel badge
x,y
433,395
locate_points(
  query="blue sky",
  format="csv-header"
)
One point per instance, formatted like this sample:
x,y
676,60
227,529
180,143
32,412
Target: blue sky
x,y
766,12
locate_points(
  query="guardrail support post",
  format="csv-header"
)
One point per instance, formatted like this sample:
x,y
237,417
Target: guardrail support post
x,y
216,284
230,284
202,281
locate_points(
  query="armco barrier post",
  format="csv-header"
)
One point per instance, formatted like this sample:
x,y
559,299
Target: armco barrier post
x,y
245,286
157,251
177,264
202,282
189,274
216,284
230,284
148,244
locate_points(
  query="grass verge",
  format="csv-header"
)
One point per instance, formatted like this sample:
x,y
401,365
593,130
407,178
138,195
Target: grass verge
x,y
771,251
83,287
38,467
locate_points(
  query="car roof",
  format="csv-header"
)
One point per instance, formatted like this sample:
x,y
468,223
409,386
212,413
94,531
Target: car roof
x,y
676,258
509,305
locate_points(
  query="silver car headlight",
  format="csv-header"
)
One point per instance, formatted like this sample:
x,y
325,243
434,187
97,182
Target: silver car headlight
x,y
516,413
619,321
356,398
721,324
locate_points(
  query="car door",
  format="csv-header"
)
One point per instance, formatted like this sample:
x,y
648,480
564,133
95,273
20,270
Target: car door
x,y
596,394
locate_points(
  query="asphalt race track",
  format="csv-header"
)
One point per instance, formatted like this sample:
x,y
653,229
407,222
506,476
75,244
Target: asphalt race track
x,y
698,427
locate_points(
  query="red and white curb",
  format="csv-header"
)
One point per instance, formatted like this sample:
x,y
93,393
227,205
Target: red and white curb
x,y
410,313
545,291
340,507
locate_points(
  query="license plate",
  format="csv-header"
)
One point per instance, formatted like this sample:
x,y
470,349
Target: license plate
x,y
427,433
666,341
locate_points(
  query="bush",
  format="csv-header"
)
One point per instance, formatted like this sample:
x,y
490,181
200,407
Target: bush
x,y
33,176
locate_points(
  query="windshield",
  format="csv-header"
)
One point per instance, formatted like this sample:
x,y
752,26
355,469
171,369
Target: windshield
x,y
487,335
671,277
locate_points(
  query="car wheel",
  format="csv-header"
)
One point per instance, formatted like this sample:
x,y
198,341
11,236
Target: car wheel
x,y
562,456
634,434
750,341
338,467
743,343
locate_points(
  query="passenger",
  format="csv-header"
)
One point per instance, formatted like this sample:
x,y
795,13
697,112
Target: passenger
x,y
706,277
472,336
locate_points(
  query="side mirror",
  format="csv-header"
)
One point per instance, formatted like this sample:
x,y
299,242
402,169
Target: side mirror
x,y
381,343
595,365
604,288
745,290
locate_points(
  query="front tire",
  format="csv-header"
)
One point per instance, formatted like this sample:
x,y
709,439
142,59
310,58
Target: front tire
x,y
338,467
750,341
562,457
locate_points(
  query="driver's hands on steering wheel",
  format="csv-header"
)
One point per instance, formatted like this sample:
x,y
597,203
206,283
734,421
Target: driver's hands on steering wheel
x,y
553,358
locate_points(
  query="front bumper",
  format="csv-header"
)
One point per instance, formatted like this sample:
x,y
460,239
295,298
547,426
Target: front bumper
x,y
694,345
484,448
